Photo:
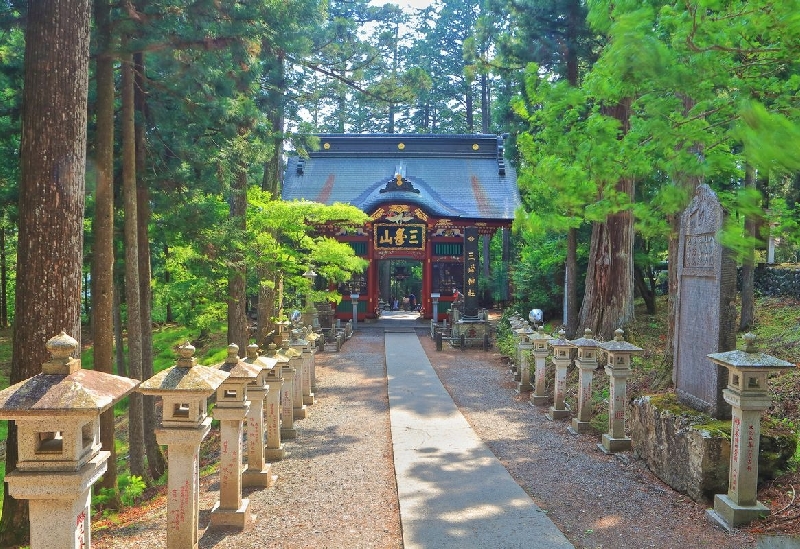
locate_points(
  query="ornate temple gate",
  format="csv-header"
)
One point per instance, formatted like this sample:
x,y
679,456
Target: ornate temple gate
x,y
430,198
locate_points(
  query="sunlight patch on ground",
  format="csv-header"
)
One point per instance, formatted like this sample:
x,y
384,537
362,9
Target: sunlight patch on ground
x,y
609,521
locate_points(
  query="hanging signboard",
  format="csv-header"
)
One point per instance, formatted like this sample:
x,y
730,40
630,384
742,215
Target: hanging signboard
x,y
471,271
400,237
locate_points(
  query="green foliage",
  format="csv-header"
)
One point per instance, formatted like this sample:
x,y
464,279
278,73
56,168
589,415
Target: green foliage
x,y
129,488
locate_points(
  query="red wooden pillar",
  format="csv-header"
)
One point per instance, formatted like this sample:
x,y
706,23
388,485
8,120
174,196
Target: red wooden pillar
x,y
427,280
372,280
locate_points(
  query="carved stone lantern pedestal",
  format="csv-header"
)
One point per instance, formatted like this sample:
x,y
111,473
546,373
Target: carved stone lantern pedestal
x,y
539,340
748,396
57,413
231,409
524,348
258,472
587,364
184,389
561,359
618,370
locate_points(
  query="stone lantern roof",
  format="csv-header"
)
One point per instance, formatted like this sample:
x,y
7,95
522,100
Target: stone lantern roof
x,y
560,340
586,340
619,345
185,376
273,353
238,369
750,358
63,388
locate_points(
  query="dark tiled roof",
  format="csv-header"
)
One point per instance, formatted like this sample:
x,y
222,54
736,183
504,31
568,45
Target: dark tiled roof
x,y
456,175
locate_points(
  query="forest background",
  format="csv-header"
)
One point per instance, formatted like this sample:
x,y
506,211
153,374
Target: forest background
x,y
615,112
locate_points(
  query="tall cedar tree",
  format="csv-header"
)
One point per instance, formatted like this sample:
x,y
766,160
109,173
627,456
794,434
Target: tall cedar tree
x,y
51,203
103,227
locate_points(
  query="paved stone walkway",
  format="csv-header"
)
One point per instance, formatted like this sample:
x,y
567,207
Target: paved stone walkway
x,y
454,493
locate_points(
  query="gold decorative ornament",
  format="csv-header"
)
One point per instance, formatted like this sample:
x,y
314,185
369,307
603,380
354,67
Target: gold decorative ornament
x,y
401,146
326,146
475,147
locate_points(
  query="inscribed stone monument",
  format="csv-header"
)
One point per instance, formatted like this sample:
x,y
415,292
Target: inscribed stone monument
x,y
705,320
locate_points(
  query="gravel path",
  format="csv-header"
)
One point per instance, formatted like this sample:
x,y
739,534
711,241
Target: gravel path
x,y
336,487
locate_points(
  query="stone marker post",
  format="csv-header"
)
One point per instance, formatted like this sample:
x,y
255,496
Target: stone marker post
x,y
561,360
184,389
274,450
524,348
705,316
539,340
312,338
258,472
57,413
522,332
301,346
354,298
296,360
231,410
587,364
289,374
435,318
748,396
618,370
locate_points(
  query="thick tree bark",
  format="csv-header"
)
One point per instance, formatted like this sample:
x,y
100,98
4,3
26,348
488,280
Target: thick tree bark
x,y
3,279
51,203
155,458
103,227
237,299
132,283
608,301
571,283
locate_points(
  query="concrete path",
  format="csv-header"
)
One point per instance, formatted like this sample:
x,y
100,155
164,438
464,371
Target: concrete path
x,y
454,493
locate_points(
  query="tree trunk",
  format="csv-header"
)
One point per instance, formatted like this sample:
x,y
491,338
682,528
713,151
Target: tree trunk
x,y
132,283
608,302
51,203
237,299
119,345
3,279
155,458
571,283
486,114
103,228
469,107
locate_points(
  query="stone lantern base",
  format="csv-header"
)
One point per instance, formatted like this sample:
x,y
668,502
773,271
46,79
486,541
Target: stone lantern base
x,y
237,518
729,515
612,445
59,503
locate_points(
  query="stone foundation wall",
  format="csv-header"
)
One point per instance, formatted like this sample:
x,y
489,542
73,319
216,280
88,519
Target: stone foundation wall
x,y
694,459
690,460
778,281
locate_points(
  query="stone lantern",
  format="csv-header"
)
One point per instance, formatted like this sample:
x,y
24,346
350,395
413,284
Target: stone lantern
x,y
258,472
587,364
299,410
354,299
312,337
311,316
231,409
288,373
300,344
524,348
57,413
561,359
618,370
748,396
184,389
522,331
273,448
539,340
